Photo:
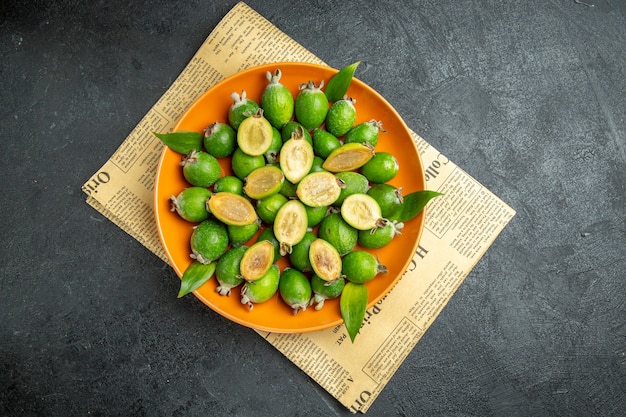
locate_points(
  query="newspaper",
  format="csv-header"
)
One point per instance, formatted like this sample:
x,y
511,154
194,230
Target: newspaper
x,y
460,225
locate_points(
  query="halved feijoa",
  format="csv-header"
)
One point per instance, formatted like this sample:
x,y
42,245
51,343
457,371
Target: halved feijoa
x,y
232,209
263,182
257,260
325,260
290,225
296,158
254,135
348,157
319,189
362,212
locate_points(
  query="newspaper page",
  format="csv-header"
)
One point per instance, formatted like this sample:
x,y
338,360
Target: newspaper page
x,y
460,225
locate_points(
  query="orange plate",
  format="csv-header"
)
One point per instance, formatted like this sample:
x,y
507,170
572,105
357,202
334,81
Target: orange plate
x,y
274,315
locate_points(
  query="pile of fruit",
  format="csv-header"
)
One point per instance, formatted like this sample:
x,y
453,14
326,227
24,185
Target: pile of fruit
x,y
307,185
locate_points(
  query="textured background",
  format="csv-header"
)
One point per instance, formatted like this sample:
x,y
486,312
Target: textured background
x,y
527,97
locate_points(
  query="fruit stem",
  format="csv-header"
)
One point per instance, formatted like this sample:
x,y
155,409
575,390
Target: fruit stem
x,y
273,79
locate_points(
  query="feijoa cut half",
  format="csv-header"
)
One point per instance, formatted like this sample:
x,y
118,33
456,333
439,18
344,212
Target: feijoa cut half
x,y
296,158
263,182
254,135
290,225
257,260
348,157
362,212
319,189
325,260
232,209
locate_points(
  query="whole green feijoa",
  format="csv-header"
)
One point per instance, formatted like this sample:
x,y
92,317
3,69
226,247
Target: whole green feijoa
x,y
227,270
325,290
262,289
277,101
243,164
201,168
311,105
267,207
388,197
354,183
220,139
238,235
380,236
324,142
338,233
230,184
190,204
293,127
315,215
364,132
268,234
361,266
299,255
241,109
341,116
295,289
382,167
209,241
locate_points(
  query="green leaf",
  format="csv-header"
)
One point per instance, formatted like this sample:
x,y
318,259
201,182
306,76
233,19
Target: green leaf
x,y
195,276
352,304
182,142
338,85
413,204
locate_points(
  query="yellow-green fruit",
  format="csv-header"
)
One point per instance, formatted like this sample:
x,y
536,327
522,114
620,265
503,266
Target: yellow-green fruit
x,y
220,139
361,266
262,289
324,290
263,182
381,168
364,132
242,108
294,127
254,136
336,231
190,204
311,105
354,183
227,270
299,255
256,261
290,225
232,209
348,157
201,168
295,289
362,212
319,189
277,101
341,117
243,164
209,241
324,142
325,260
296,158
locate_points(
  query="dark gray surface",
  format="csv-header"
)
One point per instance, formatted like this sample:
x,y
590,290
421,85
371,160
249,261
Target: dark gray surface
x,y
527,97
